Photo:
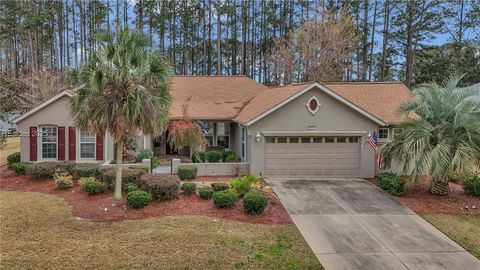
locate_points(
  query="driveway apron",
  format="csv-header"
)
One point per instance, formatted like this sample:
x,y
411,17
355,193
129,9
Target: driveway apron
x,y
352,224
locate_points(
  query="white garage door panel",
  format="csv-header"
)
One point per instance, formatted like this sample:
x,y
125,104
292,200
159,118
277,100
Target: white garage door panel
x,y
312,159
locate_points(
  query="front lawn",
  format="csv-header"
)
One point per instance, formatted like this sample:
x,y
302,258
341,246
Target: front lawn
x,y
463,229
39,231
12,146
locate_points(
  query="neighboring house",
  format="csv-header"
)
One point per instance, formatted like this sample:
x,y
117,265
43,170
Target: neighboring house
x,y
304,129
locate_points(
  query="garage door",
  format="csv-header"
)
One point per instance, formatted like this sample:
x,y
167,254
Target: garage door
x,y
312,156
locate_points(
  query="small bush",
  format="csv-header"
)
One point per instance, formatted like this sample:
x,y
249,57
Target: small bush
x,y
129,187
161,186
219,186
205,192
148,154
138,199
187,172
199,157
42,171
472,185
19,168
84,180
63,181
213,156
94,187
224,199
189,188
254,202
86,170
226,154
13,158
391,183
229,158
133,176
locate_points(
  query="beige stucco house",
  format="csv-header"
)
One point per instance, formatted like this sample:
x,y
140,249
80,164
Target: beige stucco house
x,y
305,129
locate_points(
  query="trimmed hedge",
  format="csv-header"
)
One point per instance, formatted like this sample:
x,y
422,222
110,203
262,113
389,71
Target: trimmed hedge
x,y
187,172
219,186
213,156
42,171
133,176
199,157
63,181
86,170
161,186
94,187
472,185
19,168
189,188
226,154
224,199
129,187
254,202
13,158
230,158
138,199
205,192
391,183
84,180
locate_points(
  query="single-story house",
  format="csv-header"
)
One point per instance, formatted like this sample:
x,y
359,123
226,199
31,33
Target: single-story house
x,y
302,129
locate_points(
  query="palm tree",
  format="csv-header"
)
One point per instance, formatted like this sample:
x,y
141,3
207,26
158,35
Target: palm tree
x,y
124,89
441,137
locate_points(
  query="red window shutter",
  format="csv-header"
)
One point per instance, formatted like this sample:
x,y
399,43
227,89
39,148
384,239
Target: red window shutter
x,y
33,143
61,143
72,142
99,145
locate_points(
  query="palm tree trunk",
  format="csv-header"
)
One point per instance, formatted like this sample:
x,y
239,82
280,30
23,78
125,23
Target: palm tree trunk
x,y
118,171
439,187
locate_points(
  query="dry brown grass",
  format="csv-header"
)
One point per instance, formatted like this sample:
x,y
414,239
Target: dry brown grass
x,y
463,229
38,231
12,146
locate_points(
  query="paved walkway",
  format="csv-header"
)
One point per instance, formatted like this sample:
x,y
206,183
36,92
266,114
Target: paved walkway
x,y
352,224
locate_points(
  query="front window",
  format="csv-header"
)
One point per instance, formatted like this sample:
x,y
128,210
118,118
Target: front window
x,y
207,128
383,134
223,135
87,144
49,142
244,140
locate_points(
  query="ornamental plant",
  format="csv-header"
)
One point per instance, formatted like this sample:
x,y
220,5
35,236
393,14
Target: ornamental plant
x,y
185,132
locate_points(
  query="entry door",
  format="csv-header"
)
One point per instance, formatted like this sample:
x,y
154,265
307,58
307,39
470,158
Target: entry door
x,y
312,156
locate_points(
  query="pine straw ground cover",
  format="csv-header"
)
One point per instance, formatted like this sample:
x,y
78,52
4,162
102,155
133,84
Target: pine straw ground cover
x,y
38,231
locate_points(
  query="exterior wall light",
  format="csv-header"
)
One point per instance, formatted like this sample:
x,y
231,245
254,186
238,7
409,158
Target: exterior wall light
x,y
258,137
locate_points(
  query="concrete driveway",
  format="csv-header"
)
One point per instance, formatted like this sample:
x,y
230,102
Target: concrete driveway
x,y
352,224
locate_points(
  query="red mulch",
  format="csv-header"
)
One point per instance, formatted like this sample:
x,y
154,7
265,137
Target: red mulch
x,y
93,207
421,201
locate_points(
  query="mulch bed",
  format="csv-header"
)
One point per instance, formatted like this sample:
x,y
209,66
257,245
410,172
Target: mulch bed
x,y
421,201
102,207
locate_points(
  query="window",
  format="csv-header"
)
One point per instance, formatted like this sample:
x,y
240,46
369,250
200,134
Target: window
x,y
87,144
243,141
317,139
329,139
49,142
207,128
341,139
383,134
270,139
353,139
293,140
305,140
223,134
282,140
396,132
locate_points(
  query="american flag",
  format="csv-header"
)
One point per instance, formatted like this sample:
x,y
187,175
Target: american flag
x,y
373,141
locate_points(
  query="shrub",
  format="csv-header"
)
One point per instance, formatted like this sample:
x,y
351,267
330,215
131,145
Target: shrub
x,y
129,187
199,157
254,202
148,154
229,158
86,170
161,186
13,158
84,180
94,187
224,199
138,199
219,186
472,185
205,192
19,167
187,172
133,176
213,156
226,154
63,181
391,183
189,188
241,185
42,171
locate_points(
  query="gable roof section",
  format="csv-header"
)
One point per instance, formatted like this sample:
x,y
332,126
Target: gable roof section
x,y
380,99
274,98
42,105
212,97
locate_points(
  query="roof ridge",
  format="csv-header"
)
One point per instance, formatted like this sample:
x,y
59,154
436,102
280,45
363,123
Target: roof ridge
x,y
389,82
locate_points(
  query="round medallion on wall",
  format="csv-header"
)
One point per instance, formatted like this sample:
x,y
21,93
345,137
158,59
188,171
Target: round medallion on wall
x,y
313,105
